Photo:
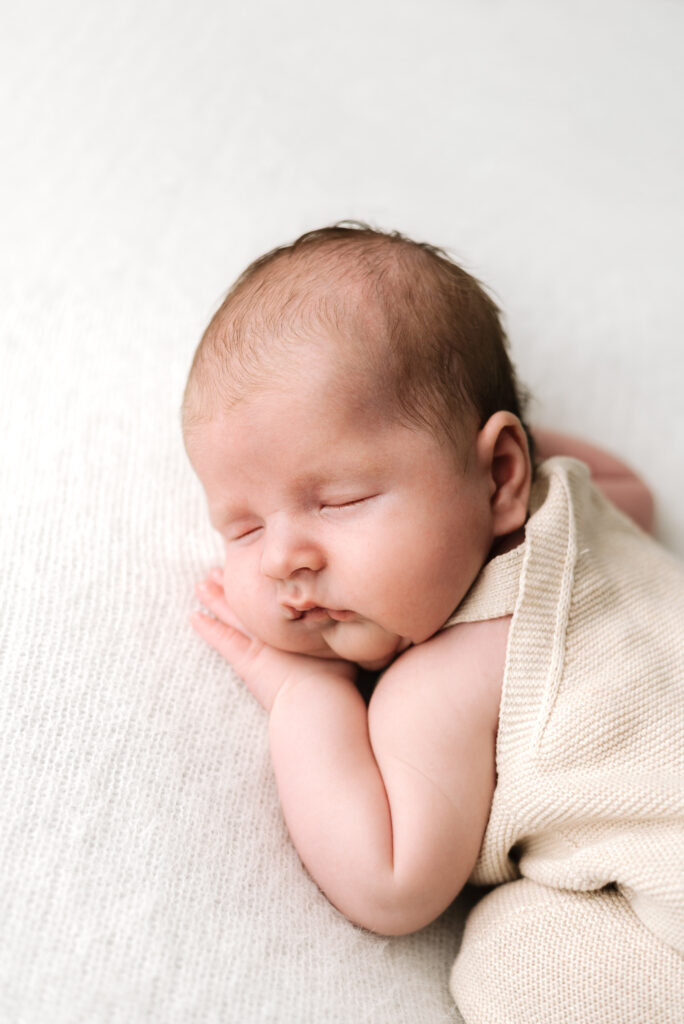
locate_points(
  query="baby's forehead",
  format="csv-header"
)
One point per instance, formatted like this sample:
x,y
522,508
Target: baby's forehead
x,y
359,306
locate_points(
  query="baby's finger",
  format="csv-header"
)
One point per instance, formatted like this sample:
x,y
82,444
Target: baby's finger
x,y
210,593
213,579
229,642
212,597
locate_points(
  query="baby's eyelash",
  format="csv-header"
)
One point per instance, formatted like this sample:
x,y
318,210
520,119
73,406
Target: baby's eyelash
x,y
247,533
348,504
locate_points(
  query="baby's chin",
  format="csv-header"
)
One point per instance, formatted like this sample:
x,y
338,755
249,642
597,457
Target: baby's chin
x,y
360,641
367,644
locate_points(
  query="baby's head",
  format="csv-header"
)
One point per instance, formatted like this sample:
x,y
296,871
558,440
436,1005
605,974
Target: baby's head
x,y
353,417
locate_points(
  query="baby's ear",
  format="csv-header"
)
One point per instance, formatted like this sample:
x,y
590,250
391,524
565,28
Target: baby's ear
x,y
503,452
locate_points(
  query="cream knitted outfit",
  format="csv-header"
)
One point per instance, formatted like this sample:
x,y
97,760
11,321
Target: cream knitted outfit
x,y
588,811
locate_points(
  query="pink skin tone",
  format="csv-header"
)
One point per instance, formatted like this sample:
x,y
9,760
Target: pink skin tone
x,y
350,538
616,480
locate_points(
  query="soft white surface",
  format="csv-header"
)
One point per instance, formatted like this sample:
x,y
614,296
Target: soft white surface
x,y
149,150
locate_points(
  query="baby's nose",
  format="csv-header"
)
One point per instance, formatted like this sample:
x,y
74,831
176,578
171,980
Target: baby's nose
x,y
286,552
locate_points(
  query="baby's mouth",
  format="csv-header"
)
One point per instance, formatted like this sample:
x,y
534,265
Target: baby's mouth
x,y
315,613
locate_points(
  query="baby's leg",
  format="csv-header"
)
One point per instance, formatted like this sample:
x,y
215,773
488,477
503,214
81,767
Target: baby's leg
x,y
617,481
531,954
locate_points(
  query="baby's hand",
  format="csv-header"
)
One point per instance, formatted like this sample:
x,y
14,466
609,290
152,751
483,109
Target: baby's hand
x,y
265,670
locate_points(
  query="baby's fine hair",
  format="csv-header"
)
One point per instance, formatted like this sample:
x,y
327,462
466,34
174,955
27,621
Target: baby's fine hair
x,y
419,327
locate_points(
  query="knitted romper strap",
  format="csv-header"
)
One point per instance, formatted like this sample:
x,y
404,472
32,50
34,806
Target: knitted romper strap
x,y
495,591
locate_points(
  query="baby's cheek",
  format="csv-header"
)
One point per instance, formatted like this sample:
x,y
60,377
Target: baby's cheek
x,y
265,621
252,609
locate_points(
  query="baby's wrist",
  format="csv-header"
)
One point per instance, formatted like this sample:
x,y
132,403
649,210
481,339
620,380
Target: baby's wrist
x,y
322,681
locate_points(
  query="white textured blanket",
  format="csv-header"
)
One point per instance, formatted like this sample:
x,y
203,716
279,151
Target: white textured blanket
x,y
149,150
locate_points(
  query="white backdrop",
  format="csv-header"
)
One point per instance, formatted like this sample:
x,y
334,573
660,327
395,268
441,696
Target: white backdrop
x,y
150,149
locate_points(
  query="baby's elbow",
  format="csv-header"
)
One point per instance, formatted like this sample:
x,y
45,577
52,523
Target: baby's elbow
x,y
394,914
396,922
393,925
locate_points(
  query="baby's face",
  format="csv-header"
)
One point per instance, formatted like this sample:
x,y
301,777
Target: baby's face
x,y
346,534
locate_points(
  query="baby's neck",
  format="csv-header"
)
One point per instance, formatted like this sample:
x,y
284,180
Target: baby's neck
x,y
503,544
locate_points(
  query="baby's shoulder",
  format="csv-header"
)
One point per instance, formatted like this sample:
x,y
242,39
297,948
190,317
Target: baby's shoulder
x,y
461,667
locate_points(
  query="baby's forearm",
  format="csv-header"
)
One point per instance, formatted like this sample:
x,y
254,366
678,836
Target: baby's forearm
x,y
360,835
332,793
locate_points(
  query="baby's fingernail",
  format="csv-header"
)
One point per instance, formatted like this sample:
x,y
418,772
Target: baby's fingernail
x,y
216,574
201,588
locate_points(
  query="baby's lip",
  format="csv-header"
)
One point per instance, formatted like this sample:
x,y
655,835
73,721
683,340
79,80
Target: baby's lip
x,y
290,612
314,612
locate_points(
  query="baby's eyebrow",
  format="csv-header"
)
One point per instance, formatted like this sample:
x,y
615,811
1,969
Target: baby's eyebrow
x,y
340,474
216,520
307,482
220,516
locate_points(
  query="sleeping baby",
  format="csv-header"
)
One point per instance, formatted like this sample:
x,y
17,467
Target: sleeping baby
x,y
354,419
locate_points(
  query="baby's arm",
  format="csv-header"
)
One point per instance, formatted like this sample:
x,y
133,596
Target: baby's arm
x,y
617,481
386,806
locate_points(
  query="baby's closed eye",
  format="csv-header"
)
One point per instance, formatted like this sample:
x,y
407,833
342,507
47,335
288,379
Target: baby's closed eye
x,y
244,533
342,504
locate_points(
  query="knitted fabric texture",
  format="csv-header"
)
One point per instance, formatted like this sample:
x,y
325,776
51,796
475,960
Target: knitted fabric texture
x,y
535,955
590,748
